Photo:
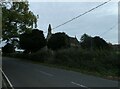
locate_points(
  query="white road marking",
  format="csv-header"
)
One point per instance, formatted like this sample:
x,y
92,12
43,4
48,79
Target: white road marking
x,y
80,85
45,73
7,79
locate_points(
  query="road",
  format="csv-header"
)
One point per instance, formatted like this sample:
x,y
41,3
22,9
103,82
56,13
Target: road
x,y
27,74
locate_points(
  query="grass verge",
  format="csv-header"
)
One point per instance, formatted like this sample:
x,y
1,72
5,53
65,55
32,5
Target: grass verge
x,y
102,63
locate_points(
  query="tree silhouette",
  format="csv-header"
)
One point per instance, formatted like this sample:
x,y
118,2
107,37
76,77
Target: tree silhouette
x,y
58,41
93,42
100,43
32,42
86,41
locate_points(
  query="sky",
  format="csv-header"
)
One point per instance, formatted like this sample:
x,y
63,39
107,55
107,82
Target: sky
x,y
96,23
102,21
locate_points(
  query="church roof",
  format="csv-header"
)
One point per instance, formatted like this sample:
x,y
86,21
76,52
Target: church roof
x,y
73,40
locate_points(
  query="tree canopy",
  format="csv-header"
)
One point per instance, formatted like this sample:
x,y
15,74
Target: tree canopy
x,y
16,19
86,41
100,43
32,42
58,41
93,42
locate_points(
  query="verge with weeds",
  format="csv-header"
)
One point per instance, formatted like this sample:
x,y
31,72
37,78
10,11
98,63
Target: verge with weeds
x,y
102,63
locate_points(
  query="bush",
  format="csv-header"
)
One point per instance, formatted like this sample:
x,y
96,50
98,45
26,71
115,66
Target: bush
x,y
97,60
41,56
8,48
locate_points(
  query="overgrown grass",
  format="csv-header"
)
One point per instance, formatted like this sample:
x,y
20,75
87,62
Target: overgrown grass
x,y
97,62
100,61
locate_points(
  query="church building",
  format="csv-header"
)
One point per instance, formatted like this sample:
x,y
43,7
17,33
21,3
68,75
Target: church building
x,y
72,40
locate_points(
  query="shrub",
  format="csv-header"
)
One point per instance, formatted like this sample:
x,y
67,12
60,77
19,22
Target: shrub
x,y
58,41
41,55
8,48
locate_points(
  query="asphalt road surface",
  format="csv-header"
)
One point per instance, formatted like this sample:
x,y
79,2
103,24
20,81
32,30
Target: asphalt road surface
x,y
27,74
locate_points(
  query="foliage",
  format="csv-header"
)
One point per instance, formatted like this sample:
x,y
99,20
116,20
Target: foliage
x,y
41,56
93,42
100,43
102,62
8,48
58,41
86,41
16,19
33,41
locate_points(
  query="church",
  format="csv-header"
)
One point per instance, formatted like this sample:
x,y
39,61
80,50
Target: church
x,y
72,40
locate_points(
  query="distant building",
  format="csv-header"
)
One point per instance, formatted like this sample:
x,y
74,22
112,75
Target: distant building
x,y
72,40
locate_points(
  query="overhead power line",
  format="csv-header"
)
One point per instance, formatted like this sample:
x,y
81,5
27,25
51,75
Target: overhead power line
x,y
108,30
81,14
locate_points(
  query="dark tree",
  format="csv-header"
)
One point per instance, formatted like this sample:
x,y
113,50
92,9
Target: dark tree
x,y
16,19
93,42
99,43
32,42
86,41
8,48
58,41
